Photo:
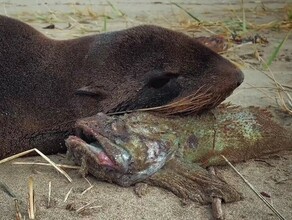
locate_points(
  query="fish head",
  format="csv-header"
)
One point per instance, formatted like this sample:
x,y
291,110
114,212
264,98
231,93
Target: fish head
x,y
116,151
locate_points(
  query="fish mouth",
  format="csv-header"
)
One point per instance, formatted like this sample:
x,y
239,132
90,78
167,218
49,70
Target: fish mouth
x,y
103,145
91,149
92,144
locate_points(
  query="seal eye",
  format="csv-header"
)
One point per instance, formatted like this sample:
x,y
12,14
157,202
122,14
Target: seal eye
x,y
158,82
159,89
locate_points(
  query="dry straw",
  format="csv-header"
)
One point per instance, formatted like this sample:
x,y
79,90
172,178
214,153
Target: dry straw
x,y
43,156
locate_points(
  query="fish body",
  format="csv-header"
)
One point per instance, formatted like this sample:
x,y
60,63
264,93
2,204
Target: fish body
x,y
142,145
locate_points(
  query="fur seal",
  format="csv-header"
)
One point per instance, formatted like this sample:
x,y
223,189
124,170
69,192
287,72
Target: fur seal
x,y
45,84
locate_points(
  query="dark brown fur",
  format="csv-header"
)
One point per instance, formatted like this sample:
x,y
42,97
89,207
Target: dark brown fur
x,y
45,84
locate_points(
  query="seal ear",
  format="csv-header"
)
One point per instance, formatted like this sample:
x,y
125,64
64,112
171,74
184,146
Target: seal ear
x,y
91,91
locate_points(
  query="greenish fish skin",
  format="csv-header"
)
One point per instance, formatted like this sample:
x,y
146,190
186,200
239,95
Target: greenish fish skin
x,y
171,151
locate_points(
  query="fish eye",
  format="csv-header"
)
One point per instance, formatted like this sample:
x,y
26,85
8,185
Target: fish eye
x,y
119,127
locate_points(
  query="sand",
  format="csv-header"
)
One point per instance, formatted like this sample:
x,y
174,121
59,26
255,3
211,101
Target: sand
x,y
107,201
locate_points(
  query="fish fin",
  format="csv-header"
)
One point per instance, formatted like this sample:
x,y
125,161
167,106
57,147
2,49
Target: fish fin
x,y
192,182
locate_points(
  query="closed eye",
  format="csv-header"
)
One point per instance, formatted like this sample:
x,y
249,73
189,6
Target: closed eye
x,y
158,82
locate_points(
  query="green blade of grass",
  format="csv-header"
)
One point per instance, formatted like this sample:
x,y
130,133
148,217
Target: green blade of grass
x,y
115,9
7,190
190,14
104,24
243,17
277,50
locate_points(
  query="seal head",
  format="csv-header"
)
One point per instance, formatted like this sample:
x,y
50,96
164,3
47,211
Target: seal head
x,y
46,84
166,69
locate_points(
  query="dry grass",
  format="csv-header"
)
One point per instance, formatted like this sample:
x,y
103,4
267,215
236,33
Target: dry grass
x,y
240,28
236,24
67,195
262,198
42,155
31,199
80,20
9,192
87,206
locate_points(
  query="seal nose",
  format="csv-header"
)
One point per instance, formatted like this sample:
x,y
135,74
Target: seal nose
x,y
239,77
232,76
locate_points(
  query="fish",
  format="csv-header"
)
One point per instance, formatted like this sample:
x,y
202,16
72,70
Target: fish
x,y
172,152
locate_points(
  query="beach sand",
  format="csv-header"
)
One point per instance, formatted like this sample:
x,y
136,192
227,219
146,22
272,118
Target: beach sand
x,y
108,201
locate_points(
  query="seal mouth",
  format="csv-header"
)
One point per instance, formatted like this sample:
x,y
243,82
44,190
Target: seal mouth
x,y
174,94
195,103
105,153
201,99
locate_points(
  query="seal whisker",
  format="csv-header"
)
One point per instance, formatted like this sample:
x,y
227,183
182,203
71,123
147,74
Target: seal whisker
x,y
191,104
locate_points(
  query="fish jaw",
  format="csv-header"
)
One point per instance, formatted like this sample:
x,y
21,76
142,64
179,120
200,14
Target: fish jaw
x,y
76,144
101,166
106,153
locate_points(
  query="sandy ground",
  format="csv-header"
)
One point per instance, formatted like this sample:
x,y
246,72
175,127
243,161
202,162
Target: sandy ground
x,y
271,175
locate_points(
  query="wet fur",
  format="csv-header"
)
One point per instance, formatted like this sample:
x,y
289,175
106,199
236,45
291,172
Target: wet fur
x,y
45,85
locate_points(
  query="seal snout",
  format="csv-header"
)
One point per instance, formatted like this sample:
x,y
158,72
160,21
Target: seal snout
x,y
236,79
239,77
230,78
